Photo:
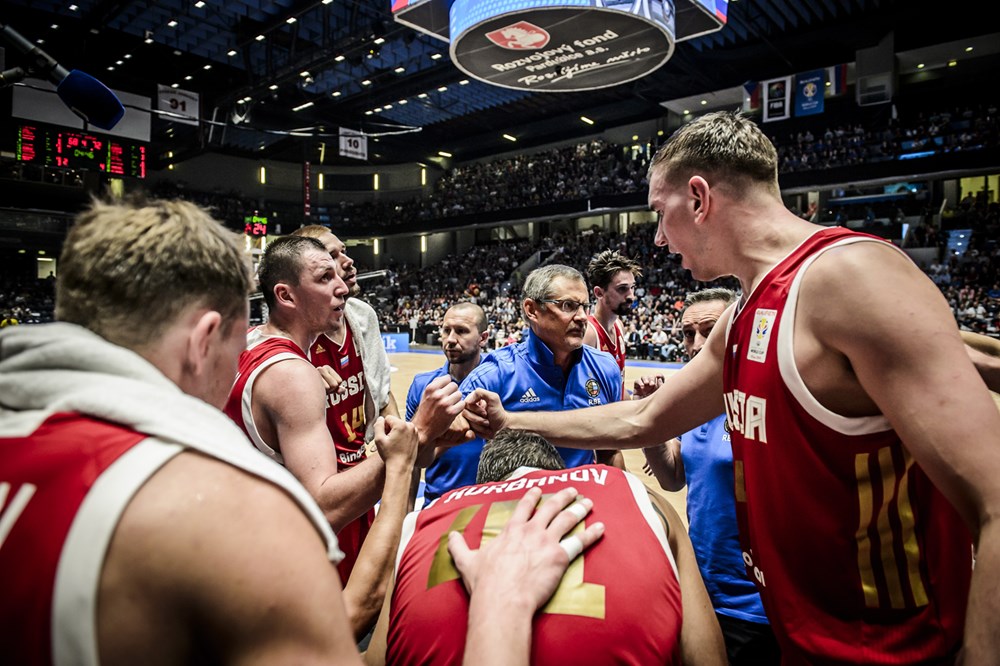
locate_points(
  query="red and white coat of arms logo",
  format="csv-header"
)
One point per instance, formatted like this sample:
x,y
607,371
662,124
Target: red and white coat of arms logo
x,y
519,36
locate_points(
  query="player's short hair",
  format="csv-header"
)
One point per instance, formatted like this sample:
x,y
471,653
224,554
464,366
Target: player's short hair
x,y
282,262
510,449
129,268
607,264
538,285
477,314
724,145
312,231
727,296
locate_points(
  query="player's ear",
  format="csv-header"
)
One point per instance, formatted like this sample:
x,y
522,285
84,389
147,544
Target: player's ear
x,y
204,334
699,191
598,293
283,294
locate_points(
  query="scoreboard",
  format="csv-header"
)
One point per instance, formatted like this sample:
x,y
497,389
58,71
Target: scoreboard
x,y
255,225
72,149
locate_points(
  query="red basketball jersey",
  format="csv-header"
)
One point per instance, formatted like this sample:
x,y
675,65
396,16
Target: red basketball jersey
x,y
617,604
857,556
617,346
45,479
345,417
262,352
345,412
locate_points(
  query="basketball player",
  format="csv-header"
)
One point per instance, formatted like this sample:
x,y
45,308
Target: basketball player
x,y
862,461
612,279
619,603
279,400
354,365
702,459
464,336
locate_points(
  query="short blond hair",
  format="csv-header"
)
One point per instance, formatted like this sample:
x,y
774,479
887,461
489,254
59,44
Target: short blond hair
x,y
311,231
129,269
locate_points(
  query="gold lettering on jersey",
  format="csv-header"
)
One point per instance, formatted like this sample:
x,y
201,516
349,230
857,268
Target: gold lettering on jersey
x,y
11,512
904,586
574,596
747,415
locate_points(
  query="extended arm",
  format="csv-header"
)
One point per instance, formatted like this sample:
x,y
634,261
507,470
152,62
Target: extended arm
x,y
366,588
701,638
909,358
693,396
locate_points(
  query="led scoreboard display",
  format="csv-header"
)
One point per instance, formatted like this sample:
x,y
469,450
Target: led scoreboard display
x,y
70,149
255,225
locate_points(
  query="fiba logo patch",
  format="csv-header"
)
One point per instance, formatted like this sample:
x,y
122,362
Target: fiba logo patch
x,y
761,336
519,36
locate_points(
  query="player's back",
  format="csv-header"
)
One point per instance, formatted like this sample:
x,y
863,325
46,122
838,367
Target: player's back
x,y
619,603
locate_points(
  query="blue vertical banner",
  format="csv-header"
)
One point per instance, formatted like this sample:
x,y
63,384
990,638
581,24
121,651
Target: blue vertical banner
x,y
809,88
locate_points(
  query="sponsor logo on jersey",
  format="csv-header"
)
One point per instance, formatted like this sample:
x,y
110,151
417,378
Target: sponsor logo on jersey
x,y
519,36
530,396
761,336
351,457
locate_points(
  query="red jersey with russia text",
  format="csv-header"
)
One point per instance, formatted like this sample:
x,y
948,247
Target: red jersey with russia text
x,y
45,478
857,556
619,603
262,351
345,417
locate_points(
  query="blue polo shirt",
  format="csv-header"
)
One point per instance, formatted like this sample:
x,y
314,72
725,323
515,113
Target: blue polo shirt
x,y
711,507
527,379
457,466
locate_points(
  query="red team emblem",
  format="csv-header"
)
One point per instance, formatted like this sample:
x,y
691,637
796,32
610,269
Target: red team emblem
x,y
519,36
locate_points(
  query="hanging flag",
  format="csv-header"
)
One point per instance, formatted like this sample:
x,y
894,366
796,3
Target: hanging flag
x,y
809,93
777,98
751,96
836,80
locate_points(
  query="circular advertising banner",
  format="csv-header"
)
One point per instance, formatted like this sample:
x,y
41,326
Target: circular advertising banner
x,y
560,45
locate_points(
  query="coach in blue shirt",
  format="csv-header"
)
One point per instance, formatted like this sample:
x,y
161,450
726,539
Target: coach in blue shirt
x,y
551,369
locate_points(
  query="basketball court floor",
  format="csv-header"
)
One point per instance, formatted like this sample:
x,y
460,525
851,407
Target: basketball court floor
x,y
407,364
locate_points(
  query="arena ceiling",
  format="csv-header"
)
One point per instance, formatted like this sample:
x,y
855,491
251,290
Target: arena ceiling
x,y
257,61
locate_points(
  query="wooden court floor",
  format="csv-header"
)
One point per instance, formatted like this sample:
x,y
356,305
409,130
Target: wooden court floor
x,y
406,365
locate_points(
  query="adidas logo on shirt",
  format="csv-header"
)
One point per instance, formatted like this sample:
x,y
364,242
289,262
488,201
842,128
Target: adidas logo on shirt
x,y
530,396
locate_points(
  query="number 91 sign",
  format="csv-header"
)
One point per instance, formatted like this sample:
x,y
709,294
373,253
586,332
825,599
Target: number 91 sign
x,y
181,106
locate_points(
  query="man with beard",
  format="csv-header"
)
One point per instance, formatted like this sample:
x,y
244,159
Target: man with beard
x,y
612,279
353,363
464,336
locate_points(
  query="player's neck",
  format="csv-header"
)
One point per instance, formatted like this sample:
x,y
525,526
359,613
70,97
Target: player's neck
x,y
605,317
303,338
338,334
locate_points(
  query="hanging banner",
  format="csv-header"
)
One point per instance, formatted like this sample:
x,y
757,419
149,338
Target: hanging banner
x,y
809,93
353,144
182,105
777,98
306,190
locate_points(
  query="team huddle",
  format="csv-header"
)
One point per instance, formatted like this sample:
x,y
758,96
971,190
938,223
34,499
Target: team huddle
x,y
175,489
